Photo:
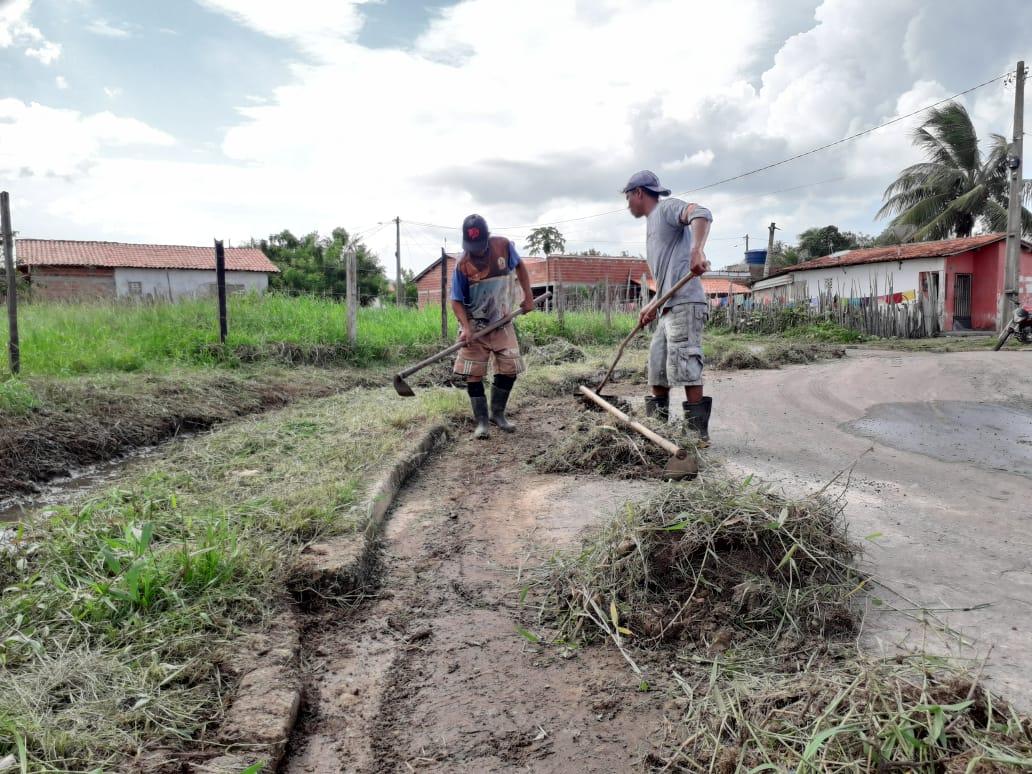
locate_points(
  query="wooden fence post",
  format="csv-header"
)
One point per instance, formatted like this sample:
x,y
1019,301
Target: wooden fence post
x,y
560,301
609,304
351,292
220,287
13,348
444,295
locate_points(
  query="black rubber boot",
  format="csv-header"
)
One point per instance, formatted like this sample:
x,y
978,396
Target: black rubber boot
x,y
658,407
697,416
480,414
499,399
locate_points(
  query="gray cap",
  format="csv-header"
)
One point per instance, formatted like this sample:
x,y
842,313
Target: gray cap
x,y
646,179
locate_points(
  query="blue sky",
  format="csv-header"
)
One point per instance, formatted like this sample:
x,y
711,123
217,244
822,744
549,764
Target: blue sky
x,y
187,119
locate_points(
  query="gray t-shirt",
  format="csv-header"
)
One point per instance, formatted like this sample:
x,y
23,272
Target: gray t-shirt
x,y
668,250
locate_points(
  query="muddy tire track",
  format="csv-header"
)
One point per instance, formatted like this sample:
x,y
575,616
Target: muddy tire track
x,y
430,674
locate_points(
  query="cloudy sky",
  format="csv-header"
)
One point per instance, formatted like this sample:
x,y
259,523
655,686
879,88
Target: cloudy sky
x,y
185,120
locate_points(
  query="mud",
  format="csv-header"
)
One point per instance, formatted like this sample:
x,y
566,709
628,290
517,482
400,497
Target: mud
x,y
992,436
432,673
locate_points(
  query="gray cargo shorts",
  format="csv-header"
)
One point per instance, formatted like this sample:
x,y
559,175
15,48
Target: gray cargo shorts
x,y
675,355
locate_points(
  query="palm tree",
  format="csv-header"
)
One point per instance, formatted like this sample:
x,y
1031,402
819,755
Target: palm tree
x,y
547,240
955,190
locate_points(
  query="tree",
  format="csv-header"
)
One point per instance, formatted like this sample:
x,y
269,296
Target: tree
x,y
589,251
817,241
784,255
956,189
547,240
314,264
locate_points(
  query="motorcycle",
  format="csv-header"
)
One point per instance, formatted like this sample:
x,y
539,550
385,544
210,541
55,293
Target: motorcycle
x,y
1020,325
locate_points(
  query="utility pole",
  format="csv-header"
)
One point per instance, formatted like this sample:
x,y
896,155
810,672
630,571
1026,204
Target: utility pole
x,y
399,294
746,243
770,249
1014,164
13,346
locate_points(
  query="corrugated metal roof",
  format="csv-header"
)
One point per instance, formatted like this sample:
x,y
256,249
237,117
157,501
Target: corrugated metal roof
x,y
60,252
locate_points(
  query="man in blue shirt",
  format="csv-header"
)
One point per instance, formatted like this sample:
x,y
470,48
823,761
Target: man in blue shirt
x,y
676,233
479,298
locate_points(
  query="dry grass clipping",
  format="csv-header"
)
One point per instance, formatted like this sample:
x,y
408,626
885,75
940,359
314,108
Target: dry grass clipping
x,y
597,443
556,352
750,603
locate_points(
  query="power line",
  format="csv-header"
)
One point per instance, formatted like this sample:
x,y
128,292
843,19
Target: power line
x,y
777,163
590,240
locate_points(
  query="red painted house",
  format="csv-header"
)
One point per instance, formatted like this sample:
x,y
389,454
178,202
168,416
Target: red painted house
x,y
964,277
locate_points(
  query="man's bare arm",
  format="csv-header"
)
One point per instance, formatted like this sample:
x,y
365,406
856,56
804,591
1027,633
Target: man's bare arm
x,y
699,223
528,294
459,310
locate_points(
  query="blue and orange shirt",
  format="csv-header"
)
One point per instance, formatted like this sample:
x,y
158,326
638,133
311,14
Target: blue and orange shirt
x,y
482,284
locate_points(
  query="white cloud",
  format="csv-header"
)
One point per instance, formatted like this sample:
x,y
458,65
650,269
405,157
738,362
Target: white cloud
x,y
112,92
42,141
315,24
105,29
15,30
60,82
702,158
14,24
538,111
46,52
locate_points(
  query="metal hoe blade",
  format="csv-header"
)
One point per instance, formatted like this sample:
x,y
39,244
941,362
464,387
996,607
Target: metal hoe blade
x,y
401,387
678,468
680,465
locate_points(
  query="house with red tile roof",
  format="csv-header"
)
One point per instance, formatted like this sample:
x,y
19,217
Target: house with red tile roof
x,y
60,269
572,272
962,279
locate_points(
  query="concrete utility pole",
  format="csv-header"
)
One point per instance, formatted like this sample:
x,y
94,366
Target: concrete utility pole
x,y
1014,164
770,249
746,243
399,295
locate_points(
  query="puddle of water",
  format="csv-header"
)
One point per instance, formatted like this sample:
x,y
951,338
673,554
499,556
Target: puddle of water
x,y
993,436
63,490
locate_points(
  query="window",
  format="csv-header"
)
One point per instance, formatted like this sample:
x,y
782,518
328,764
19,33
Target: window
x,y
135,288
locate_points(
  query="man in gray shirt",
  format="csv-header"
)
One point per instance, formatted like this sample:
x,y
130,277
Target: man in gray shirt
x,y
675,240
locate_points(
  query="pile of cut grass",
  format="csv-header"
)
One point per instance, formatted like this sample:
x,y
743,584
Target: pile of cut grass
x,y
716,561
750,603
597,443
554,353
118,613
816,708
773,355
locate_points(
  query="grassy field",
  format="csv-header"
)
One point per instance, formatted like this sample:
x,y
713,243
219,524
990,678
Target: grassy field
x,y
116,612
69,339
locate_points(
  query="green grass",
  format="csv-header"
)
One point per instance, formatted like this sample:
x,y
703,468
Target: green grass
x,y
117,612
68,339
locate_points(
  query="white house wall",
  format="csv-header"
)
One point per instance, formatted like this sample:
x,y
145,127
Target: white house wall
x,y
185,283
903,276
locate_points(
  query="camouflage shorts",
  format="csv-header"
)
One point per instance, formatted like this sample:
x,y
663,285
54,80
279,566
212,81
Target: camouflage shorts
x,y
675,355
500,345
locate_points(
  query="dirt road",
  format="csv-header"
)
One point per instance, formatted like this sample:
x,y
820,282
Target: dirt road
x,y
430,674
947,485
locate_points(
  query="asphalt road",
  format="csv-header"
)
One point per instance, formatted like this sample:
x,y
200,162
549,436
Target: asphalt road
x,y
942,446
